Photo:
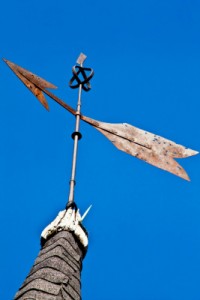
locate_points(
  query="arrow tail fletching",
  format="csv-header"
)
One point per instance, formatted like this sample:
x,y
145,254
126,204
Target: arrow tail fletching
x,y
151,148
147,155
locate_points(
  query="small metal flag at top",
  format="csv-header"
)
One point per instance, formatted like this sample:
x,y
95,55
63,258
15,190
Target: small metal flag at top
x,y
151,148
80,60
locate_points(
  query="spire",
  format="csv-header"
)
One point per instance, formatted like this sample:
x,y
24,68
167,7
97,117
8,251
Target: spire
x,y
56,273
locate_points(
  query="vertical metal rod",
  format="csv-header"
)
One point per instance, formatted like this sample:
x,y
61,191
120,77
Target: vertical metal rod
x,y
76,138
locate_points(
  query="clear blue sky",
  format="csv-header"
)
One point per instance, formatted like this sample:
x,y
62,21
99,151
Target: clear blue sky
x,y
144,227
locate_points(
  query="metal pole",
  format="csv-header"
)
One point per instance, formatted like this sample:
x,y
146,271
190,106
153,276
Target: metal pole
x,y
76,136
82,83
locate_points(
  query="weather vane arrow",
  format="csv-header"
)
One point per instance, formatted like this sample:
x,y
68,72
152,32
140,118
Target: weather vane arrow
x,y
151,148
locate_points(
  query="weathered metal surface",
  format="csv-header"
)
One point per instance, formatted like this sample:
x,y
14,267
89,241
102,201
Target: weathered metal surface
x,y
151,148
32,82
37,86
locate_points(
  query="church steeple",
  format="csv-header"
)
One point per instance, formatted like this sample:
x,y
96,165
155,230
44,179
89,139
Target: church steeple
x,y
56,273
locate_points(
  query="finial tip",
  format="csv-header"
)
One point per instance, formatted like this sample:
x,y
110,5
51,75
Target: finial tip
x,y
82,57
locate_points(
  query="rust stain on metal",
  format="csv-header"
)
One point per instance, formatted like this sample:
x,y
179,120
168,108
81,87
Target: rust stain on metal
x,y
32,82
30,76
151,148
37,86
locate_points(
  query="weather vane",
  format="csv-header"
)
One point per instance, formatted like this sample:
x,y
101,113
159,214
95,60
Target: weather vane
x,y
151,148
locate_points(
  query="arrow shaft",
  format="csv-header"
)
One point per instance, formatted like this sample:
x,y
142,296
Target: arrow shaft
x,y
60,102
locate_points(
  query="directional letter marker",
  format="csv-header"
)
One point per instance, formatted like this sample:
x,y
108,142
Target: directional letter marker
x,y
144,145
